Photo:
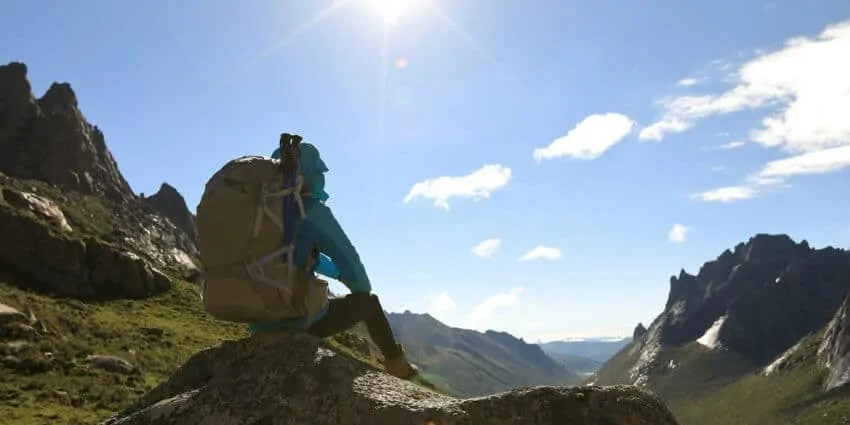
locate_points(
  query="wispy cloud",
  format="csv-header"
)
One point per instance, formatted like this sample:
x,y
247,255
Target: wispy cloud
x,y
806,88
487,248
542,252
806,80
656,131
726,194
479,184
486,308
436,304
818,162
589,139
732,145
678,233
687,82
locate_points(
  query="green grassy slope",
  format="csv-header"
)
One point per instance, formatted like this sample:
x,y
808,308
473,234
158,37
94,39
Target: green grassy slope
x,y
709,387
792,395
616,370
467,363
156,334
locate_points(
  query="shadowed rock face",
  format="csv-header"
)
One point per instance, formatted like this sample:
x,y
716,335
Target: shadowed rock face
x,y
771,291
834,351
171,204
49,255
639,331
753,304
49,139
82,231
288,378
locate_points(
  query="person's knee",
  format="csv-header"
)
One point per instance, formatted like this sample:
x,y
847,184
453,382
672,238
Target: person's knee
x,y
364,297
365,302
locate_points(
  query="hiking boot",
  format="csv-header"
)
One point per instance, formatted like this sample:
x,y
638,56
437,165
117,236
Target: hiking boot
x,y
399,367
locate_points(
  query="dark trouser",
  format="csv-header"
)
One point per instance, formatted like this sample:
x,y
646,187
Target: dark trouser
x,y
345,312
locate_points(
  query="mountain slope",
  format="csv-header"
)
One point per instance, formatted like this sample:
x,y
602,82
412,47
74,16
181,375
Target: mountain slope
x,y
758,336
463,362
94,306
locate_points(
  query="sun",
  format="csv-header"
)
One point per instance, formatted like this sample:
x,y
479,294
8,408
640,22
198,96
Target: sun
x,y
392,10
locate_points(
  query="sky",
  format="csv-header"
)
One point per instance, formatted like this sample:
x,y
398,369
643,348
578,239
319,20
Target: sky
x,y
537,167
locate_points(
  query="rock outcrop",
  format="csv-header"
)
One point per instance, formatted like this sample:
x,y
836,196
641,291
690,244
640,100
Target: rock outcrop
x,y
55,169
171,204
287,378
754,302
639,331
763,297
50,256
49,139
834,351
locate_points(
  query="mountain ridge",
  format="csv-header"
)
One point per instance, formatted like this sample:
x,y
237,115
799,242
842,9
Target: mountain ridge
x,y
467,362
768,312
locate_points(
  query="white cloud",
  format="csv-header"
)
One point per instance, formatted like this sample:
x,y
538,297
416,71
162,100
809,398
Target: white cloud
x,y
487,248
806,81
541,252
477,185
718,168
726,194
589,139
678,233
823,161
687,82
656,131
732,145
804,88
439,303
485,309
752,186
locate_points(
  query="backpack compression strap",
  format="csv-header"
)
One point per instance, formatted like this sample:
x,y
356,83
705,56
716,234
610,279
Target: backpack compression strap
x,y
293,182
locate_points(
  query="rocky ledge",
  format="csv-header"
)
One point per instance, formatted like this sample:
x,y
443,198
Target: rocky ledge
x,y
293,378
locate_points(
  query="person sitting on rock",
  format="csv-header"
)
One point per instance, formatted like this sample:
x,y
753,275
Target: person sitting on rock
x,y
338,259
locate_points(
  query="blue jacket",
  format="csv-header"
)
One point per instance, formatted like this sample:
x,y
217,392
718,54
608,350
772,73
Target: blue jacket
x,y
338,258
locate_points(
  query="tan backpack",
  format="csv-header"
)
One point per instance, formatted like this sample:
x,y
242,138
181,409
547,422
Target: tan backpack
x,y
247,274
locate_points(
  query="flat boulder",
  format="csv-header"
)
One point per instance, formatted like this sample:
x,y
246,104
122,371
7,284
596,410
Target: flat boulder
x,y
294,378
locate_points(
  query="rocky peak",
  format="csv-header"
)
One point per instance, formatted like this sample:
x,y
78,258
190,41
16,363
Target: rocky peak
x,y
49,139
59,98
640,331
14,87
761,298
171,204
763,248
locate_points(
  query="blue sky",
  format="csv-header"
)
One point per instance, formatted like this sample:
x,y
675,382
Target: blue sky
x,y
616,142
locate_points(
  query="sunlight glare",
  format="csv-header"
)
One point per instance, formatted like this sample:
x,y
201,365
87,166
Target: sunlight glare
x,y
392,10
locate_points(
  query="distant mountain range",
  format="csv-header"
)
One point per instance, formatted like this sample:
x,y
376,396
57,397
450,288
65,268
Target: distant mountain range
x,y
597,350
469,363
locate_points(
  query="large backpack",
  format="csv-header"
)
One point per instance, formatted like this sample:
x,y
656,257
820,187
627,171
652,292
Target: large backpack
x,y
247,274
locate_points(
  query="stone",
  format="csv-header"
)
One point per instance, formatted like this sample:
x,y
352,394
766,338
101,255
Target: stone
x,y
294,378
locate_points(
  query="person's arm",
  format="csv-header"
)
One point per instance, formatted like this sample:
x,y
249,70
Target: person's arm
x,y
326,267
335,244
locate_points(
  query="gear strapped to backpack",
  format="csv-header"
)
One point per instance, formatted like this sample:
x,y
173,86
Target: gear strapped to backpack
x,y
245,225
